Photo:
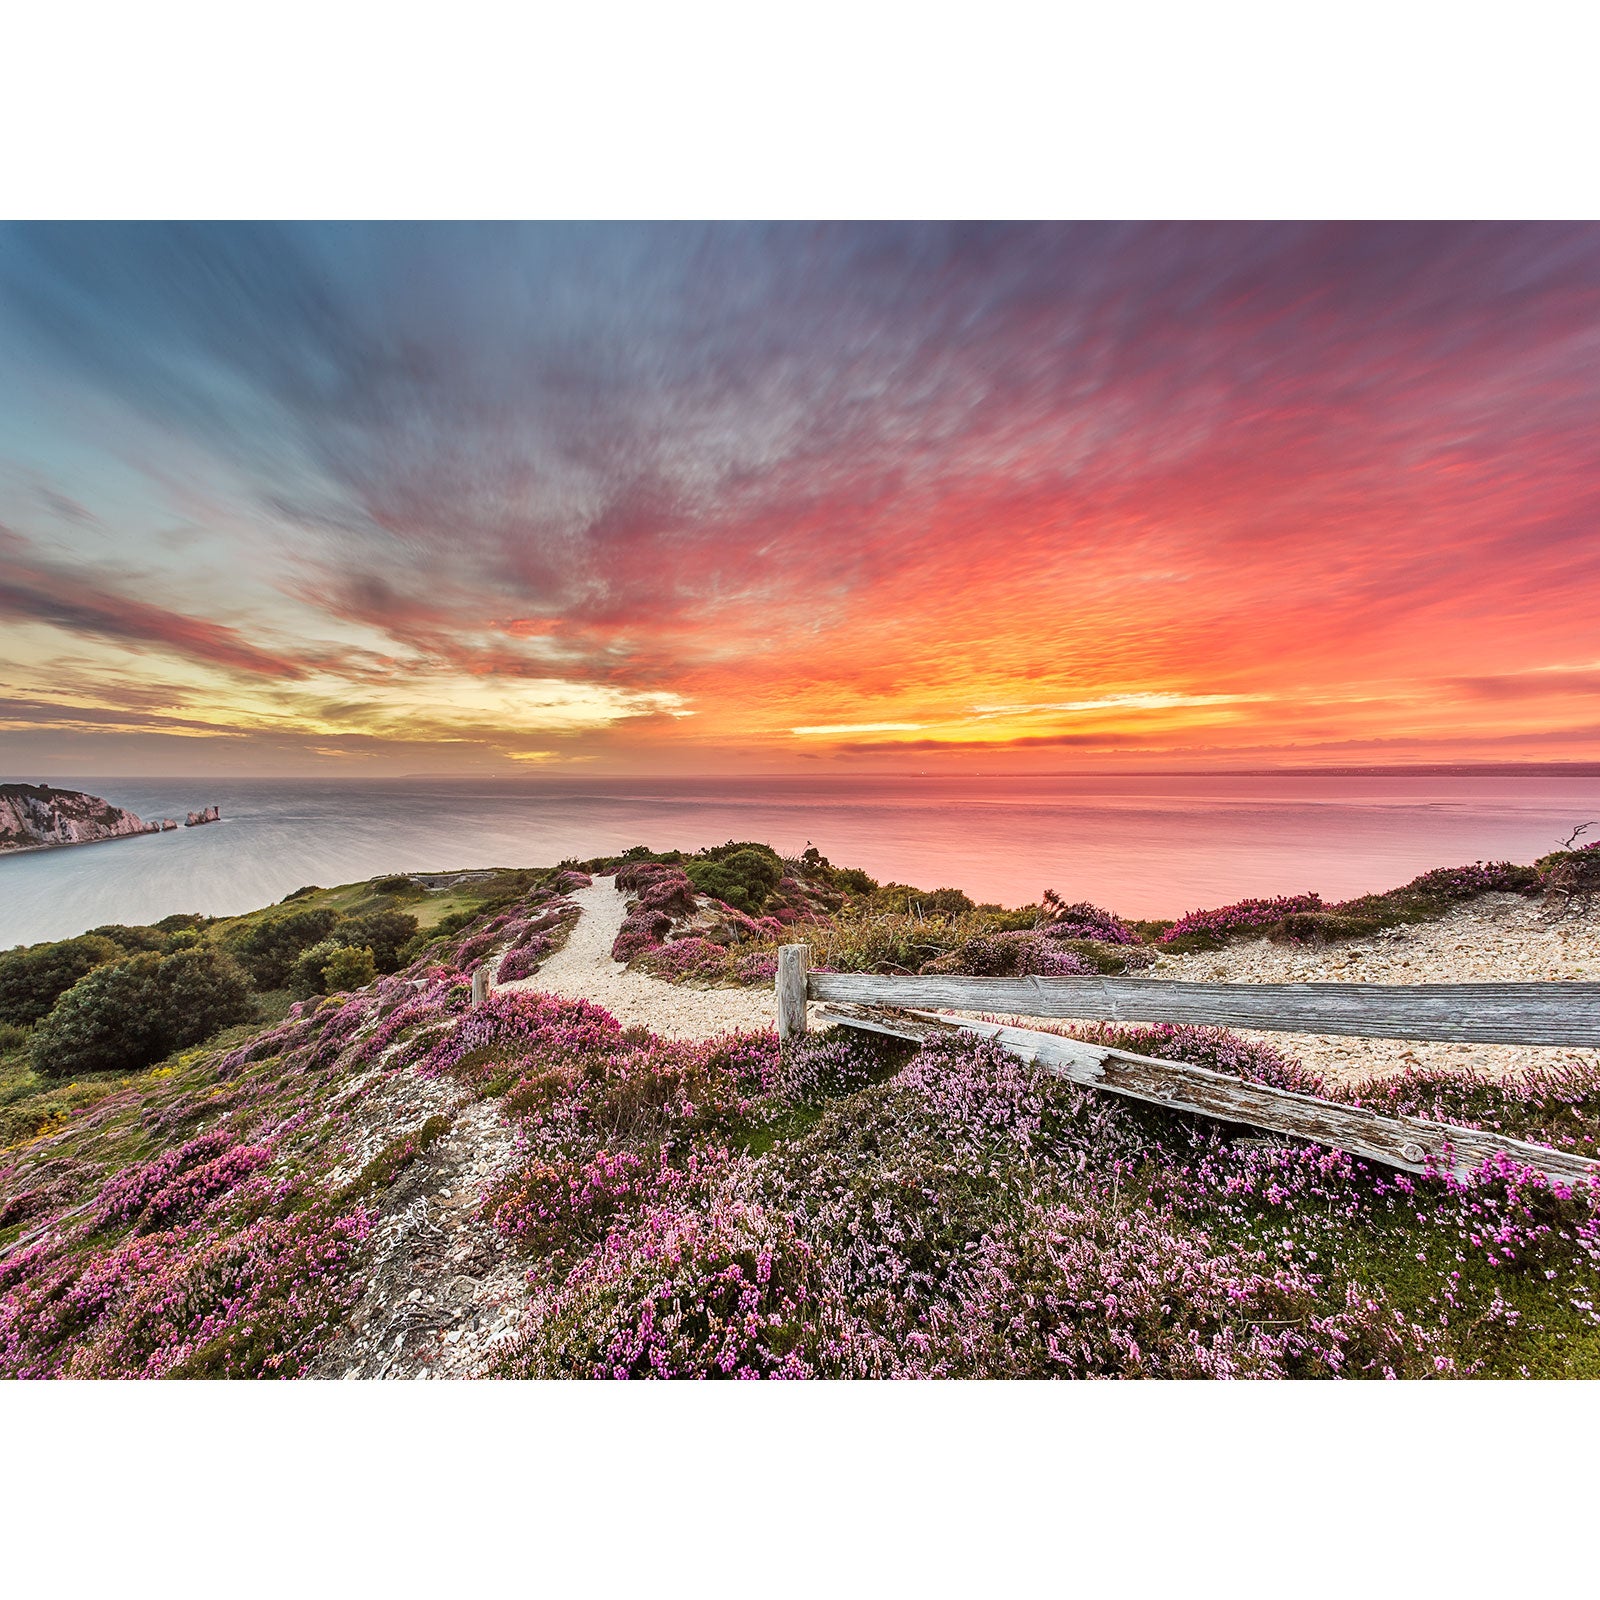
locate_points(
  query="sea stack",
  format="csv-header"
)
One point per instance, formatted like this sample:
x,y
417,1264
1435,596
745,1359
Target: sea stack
x,y
210,814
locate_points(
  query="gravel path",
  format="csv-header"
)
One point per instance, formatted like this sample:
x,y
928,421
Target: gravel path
x,y
1495,938
583,969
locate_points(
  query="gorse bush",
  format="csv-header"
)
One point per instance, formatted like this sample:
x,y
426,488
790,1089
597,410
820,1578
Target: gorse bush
x,y
122,1017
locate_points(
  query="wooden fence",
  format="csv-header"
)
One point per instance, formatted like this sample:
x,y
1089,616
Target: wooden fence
x,y
1489,1013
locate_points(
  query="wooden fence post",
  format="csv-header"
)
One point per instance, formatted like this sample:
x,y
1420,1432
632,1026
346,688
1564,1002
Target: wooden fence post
x,y
791,983
480,986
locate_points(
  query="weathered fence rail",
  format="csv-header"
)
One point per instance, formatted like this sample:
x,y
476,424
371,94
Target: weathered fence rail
x,y
1501,1013
1471,1013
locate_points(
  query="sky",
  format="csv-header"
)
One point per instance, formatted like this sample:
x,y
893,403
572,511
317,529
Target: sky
x,y
390,499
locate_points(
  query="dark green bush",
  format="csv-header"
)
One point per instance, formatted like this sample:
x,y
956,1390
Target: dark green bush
x,y
384,933
204,991
329,968
131,940
853,880
744,880
305,976
32,979
268,950
395,885
1312,927
123,1017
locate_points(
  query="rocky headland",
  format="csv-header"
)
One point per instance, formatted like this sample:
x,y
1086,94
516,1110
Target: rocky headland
x,y
33,816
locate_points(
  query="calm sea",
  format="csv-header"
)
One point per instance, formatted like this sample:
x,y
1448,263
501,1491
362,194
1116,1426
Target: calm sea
x,y
1143,845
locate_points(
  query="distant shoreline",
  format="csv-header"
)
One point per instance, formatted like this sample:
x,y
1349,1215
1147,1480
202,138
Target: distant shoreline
x,y
74,844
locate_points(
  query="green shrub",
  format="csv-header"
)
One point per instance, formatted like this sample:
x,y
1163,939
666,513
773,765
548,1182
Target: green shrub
x,y
349,967
179,921
744,880
32,979
11,1038
384,933
853,880
123,1017
131,940
398,884
268,950
204,991
306,975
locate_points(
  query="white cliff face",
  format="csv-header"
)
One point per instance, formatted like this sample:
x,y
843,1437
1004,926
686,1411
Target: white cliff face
x,y
33,814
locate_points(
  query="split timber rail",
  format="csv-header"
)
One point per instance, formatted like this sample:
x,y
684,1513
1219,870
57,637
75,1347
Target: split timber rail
x,y
1483,1013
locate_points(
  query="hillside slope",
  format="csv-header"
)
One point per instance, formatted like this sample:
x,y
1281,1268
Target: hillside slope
x,y
391,1182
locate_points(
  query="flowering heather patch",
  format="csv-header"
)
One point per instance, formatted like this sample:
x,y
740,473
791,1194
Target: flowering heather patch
x,y
663,894
1013,955
755,967
1302,917
215,1301
703,961
1242,917
1083,921
227,1251
566,882
692,959
524,959
719,1292
1217,1048
971,1217
1462,883
634,877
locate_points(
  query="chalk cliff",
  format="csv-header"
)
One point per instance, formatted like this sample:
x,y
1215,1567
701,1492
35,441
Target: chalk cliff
x,y
33,814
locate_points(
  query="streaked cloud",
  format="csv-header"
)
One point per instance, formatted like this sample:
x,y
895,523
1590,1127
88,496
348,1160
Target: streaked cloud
x,y
698,495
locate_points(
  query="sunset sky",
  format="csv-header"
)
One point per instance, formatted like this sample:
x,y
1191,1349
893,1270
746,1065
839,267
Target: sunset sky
x,y
384,500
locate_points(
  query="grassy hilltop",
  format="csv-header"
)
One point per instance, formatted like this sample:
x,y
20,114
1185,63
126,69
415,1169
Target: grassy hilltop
x,y
212,1126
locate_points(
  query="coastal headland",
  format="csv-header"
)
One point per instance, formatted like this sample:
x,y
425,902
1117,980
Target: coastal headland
x,y
35,816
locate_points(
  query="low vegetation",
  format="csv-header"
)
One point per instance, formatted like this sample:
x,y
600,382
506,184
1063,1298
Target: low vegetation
x,y
196,1165
680,929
